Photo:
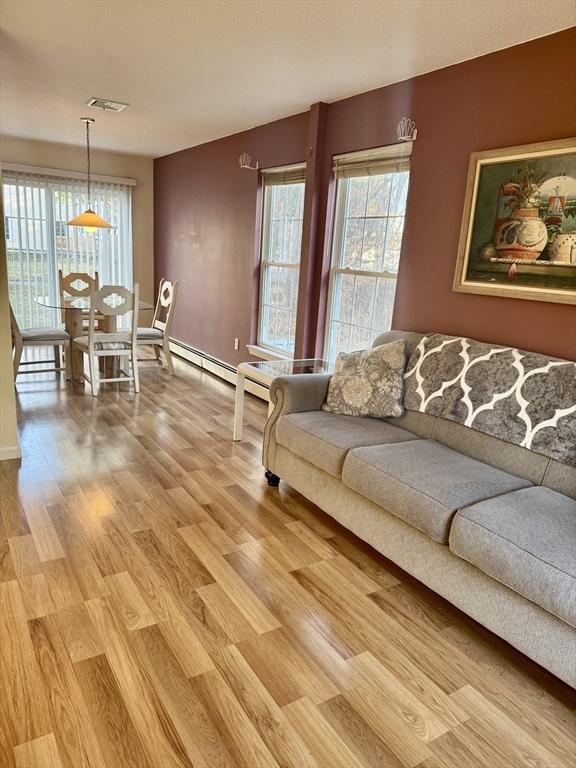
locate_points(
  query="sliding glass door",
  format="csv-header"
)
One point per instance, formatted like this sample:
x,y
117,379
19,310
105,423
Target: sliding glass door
x,y
39,242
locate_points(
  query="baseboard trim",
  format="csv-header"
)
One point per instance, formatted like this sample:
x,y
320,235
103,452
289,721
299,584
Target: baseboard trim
x,y
10,452
218,367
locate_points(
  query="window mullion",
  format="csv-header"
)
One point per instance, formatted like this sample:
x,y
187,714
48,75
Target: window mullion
x,y
374,295
342,199
363,272
364,221
352,303
283,264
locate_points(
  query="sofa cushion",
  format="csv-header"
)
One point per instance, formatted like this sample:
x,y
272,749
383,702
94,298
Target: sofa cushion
x,y
423,482
324,439
527,541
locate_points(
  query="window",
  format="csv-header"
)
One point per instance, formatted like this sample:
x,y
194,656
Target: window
x,y
39,242
369,221
283,208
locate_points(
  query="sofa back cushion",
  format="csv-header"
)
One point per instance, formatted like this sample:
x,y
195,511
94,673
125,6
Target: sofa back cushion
x,y
491,450
561,478
411,339
520,397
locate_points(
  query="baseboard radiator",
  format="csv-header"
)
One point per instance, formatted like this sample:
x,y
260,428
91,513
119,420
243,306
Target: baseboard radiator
x,y
215,366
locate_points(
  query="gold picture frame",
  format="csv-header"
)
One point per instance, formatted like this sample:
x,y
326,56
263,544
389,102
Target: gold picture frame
x,y
518,233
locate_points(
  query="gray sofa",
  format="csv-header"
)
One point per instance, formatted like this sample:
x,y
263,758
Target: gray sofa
x,y
471,490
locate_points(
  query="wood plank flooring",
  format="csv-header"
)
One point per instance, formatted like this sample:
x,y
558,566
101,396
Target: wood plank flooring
x,y
161,607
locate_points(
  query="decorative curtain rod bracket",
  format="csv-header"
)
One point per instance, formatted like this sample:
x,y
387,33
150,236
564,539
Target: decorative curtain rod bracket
x,y
406,130
245,161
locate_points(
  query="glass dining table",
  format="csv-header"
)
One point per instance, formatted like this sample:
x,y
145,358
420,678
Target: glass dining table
x,y
74,309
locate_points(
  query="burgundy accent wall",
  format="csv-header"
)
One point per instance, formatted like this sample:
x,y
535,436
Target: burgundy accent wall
x,y
205,209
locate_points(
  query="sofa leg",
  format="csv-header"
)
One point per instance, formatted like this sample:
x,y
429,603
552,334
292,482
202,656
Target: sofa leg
x,y
273,480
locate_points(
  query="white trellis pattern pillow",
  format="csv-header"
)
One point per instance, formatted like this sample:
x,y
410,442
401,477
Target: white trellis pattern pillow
x,y
521,397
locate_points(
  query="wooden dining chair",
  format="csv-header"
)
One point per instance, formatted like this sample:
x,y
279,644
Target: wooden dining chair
x,y
39,337
111,301
77,284
158,334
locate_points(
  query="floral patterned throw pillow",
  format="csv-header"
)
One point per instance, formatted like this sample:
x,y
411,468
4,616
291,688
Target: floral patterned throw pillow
x,y
368,383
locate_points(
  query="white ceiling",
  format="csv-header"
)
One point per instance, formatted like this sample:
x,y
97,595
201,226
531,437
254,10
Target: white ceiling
x,y
196,70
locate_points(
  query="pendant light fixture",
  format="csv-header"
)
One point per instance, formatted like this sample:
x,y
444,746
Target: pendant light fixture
x,y
89,219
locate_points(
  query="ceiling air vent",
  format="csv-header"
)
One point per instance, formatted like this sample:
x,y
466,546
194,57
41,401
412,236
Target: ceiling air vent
x,y
106,104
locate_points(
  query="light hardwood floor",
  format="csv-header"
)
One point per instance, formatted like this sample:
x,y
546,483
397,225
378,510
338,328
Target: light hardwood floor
x,y
160,606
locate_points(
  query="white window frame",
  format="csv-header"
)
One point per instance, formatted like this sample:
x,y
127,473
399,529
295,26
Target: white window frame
x,y
344,170
274,177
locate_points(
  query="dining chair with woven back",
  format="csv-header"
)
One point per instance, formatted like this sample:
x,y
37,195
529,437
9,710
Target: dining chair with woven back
x,y
158,334
111,301
39,337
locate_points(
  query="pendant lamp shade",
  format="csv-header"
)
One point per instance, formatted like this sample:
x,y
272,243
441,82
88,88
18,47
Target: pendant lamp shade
x,y
89,219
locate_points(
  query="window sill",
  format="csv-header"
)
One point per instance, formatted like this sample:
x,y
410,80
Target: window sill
x,y
266,354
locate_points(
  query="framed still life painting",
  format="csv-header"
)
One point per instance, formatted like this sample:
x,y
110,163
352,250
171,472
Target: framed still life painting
x,y
518,236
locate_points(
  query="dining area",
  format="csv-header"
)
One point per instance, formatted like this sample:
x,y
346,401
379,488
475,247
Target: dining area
x,y
97,335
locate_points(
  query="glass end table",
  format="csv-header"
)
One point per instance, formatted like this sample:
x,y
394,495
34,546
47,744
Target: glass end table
x,y
264,372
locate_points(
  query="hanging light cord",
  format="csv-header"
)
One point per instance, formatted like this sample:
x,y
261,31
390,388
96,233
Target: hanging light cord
x,y
89,219
88,162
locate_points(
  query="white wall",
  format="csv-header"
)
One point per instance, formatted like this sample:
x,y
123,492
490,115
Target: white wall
x,y
9,448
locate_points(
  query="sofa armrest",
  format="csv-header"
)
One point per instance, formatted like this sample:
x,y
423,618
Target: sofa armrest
x,y
297,393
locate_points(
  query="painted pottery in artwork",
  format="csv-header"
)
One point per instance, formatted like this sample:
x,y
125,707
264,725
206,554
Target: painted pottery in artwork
x,y
488,252
522,235
525,213
506,198
562,249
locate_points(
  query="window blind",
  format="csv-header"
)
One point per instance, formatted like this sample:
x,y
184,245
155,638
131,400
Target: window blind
x,y
288,174
374,162
39,241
